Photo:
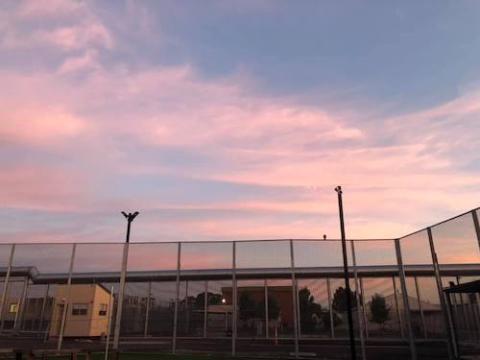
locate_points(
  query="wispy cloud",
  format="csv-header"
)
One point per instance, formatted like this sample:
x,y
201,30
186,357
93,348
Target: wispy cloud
x,y
88,130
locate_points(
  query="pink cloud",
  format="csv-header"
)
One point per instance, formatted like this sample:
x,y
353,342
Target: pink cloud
x,y
266,141
39,125
81,108
49,8
78,37
25,28
87,61
42,188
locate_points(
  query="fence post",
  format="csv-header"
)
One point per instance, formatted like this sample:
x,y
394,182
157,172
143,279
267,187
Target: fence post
x,y
147,310
295,298
44,304
330,310
67,300
187,310
406,303
477,225
5,285
267,322
121,294
397,308
420,307
177,296
359,303
452,349
364,311
234,298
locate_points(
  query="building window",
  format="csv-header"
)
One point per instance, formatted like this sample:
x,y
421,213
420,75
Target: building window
x,y
79,309
13,308
103,310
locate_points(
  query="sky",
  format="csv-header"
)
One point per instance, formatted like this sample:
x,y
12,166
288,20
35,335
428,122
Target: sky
x,y
222,120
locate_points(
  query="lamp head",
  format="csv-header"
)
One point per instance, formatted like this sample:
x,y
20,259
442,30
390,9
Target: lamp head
x,y
130,216
338,189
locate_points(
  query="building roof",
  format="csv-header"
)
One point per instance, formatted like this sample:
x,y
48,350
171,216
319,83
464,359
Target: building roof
x,y
469,287
413,303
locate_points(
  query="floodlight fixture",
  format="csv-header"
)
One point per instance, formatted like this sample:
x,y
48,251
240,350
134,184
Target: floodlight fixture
x,y
130,217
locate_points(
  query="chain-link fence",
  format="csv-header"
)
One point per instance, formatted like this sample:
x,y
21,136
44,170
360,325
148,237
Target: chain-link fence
x,y
284,297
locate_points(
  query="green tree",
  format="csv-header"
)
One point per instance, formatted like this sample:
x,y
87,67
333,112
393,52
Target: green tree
x,y
213,299
247,307
339,302
273,308
308,308
379,310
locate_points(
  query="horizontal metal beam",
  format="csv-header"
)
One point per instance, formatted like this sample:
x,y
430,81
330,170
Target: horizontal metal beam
x,y
258,273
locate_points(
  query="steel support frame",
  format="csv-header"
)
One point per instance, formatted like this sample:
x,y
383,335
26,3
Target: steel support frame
x,y
67,299
234,298
295,299
451,342
476,224
330,310
187,308
397,308
44,305
121,294
267,322
420,307
147,310
364,310
406,303
177,298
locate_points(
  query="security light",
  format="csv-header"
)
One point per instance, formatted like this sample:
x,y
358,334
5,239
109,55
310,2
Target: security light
x,y
130,216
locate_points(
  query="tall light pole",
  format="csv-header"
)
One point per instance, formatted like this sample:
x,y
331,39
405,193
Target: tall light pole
x,y
338,189
116,335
